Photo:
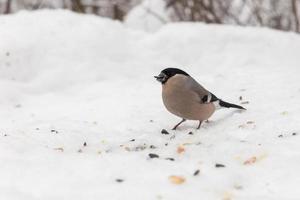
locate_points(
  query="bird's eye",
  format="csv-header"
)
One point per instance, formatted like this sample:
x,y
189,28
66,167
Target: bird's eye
x,y
204,99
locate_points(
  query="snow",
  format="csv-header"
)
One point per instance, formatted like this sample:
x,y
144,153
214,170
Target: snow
x,y
68,79
149,15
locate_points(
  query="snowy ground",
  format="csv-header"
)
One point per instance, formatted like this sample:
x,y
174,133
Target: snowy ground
x,y
68,79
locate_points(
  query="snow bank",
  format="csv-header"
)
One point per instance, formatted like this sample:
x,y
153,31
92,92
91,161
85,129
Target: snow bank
x,y
69,79
149,15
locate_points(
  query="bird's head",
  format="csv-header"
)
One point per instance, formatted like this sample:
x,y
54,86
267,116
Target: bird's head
x,y
167,73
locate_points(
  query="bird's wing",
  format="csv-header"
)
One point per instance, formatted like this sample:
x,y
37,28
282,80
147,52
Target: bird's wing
x,y
204,95
209,98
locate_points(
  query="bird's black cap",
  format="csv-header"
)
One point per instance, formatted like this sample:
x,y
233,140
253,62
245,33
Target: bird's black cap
x,y
173,71
168,73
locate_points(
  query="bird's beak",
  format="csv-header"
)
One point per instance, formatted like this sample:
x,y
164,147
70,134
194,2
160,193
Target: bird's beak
x,y
160,77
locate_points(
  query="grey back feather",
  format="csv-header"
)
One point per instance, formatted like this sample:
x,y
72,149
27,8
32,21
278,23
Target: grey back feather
x,y
204,95
197,88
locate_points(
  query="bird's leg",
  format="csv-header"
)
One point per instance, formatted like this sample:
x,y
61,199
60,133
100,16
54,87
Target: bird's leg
x,y
200,122
174,128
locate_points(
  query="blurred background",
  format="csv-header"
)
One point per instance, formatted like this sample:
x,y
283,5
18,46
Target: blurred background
x,y
276,14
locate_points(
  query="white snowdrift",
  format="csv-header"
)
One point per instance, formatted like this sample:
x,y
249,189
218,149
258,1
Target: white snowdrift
x,y
67,79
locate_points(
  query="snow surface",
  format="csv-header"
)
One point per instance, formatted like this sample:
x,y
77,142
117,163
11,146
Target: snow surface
x,y
68,79
149,15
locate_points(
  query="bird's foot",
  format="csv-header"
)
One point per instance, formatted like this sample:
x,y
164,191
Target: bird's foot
x,y
200,122
175,127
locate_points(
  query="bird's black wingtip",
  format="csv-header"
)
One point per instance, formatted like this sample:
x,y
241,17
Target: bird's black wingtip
x,y
230,105
242,108
239,107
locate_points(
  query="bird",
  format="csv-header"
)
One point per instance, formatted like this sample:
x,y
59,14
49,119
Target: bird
x,y
184,97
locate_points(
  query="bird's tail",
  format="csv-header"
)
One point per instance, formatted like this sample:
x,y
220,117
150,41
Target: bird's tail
x,y
230,105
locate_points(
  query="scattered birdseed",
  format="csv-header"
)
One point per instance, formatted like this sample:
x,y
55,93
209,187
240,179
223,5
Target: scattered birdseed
x,y
119,180
132,140
241,98
84,144
177,179
294,133
196,172
191,133
59,149
227,195
188,143
54,131
18,105
245,102
152,147
140,148
79,151
151,120
127,148
153,155
165,132
242,126
238,187
250,161
219,165
172,137
280,136
171,159
166,144
180,149
109,150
